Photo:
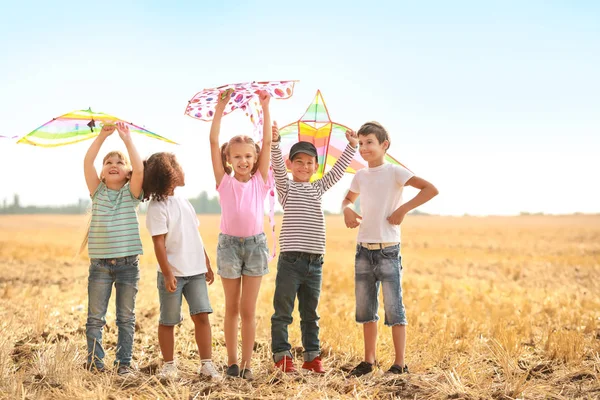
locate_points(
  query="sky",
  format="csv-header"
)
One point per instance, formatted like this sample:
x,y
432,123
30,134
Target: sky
x,y
497,103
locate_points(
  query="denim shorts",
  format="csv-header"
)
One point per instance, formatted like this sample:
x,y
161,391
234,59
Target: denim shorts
x,y
374,268
237,256
194,289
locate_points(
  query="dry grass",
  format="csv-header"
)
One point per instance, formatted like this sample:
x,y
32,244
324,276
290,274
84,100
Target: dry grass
x,y
500,308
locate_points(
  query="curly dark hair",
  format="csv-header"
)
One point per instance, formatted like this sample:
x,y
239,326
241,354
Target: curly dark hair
x,y
161,171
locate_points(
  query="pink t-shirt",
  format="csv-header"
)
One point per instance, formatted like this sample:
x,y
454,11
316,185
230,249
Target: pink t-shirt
x,y
242,205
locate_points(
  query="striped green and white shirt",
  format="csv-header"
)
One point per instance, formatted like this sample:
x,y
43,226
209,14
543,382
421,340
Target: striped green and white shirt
x,y
114,229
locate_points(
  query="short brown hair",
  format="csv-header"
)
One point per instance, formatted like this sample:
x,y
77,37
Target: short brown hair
x,y
376,129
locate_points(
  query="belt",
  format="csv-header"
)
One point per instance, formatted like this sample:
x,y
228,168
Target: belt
x,y
378,246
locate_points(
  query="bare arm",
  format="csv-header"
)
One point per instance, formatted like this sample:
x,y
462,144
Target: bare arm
x,y
137,172
161,255
91,175
351,217
215,129
210,276
265,152
426,193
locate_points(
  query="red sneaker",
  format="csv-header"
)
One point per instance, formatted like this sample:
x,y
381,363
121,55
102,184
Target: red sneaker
x,y
314,365
286,364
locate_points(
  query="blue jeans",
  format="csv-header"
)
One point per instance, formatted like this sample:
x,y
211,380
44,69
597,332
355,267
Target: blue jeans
x,y
372,268
298,274
124,273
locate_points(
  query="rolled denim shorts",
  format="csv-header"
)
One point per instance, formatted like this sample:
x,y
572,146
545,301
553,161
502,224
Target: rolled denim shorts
x,y
195,291
237,256
374,268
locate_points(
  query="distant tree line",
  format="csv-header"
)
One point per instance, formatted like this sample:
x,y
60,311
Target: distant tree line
x,y
202,204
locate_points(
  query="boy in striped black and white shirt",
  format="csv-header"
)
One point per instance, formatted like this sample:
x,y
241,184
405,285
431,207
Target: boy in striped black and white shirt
x,y
302,241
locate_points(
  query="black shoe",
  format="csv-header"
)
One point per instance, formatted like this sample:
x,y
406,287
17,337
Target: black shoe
x,y
362,369
125,371
233,371
396,369
94,367
247,374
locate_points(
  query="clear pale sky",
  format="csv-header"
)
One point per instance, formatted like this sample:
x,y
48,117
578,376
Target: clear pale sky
x,y
497,103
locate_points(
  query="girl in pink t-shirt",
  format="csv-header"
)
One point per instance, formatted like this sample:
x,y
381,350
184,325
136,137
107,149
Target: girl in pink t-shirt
x,y
242,253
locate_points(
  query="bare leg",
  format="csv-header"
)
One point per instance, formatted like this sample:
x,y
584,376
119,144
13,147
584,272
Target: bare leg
x,y
399,337
232,289
250,288
370,334
166,341
203,335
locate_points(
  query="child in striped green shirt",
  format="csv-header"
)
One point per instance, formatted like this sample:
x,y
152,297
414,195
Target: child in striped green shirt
x,y
114,245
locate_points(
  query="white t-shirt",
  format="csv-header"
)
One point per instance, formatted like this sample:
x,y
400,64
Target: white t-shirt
x,y
177,218
380,191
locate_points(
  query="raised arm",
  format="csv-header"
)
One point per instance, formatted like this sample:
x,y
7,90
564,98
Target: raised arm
x,y
137,165
91,175
215,129
427,192
264,158
279,169
335,174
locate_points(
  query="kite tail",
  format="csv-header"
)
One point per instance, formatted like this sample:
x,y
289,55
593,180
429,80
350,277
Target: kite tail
x,y
271,184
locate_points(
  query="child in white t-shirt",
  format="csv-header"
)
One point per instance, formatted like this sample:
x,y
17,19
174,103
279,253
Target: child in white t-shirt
x,y
183,265
378,260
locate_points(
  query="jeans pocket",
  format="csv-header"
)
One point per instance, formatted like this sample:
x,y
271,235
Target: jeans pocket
x,y
391,252
358,247
289,258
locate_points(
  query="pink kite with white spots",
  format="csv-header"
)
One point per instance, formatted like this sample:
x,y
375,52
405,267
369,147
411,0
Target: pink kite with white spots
x,y
244,97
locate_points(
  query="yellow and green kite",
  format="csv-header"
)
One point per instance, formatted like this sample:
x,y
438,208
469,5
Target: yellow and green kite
x,y
78,126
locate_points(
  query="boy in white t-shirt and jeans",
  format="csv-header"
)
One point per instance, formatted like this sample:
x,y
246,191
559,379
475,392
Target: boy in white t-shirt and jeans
x,y
378,260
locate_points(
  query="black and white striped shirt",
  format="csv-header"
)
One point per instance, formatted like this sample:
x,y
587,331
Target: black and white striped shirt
x,y
303,227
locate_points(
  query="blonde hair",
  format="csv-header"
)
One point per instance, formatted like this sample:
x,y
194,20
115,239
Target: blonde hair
x,y
238,139
122,156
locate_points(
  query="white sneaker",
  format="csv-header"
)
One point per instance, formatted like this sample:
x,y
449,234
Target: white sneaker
x,y
208,369
168,371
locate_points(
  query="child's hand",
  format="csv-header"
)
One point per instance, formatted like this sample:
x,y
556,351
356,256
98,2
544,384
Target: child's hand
x,y
351,218
170,282
210,276
107,129
352,137
275,130
397,216
123,129
223,99
264,97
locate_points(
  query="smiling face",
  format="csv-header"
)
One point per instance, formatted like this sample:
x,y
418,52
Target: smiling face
x,y
116,169
303,166
242,157
370,149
